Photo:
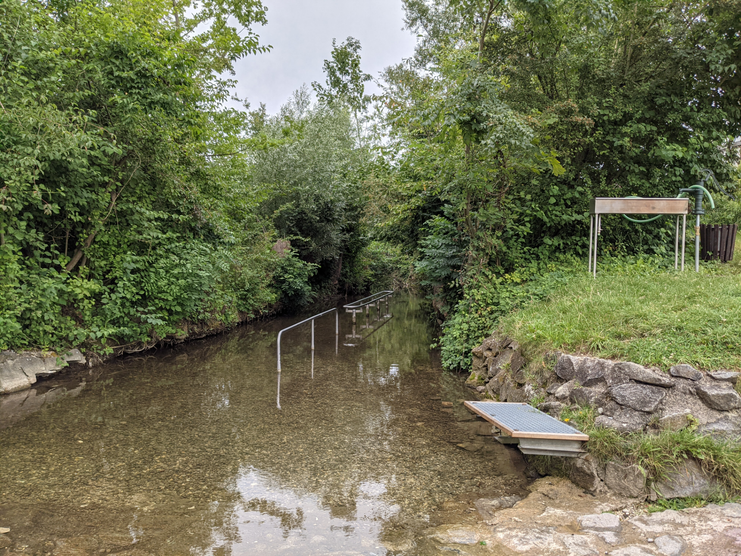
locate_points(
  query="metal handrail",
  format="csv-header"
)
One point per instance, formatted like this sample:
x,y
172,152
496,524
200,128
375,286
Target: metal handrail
x,y
362,303
336,330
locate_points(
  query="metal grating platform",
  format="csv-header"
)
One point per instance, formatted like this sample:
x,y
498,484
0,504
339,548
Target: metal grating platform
x,y
520,420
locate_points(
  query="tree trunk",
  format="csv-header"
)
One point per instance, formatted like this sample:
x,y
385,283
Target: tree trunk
x,y
79,252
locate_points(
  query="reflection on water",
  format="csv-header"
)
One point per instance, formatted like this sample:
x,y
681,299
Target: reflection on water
x,y
184,451
269,519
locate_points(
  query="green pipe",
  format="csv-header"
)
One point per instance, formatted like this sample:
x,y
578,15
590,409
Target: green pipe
x,y
697,186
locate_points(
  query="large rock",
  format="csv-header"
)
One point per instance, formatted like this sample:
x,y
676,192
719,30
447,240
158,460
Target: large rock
x,y
500,362
626,480
552,388
640,373
678,402
552,408
566,366
51,367
600,523
584,473
669,545
592,371
685,371
564,391
517,367
522,395
687,480
509,392
587,396
487,507
624,421
13,379
721,397
675,421
725,376
493,345
31,366
479,371
495,384
640,397
726,428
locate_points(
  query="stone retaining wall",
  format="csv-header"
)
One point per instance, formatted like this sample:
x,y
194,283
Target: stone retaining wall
x,y
19,371
628,398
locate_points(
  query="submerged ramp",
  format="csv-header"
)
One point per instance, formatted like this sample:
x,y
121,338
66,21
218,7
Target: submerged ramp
x,y
537,433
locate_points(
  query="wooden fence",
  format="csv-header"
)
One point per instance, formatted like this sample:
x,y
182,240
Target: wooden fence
x,y
717,241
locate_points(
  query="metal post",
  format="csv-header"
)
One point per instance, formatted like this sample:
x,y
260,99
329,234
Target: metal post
x,y
312,363
597,224
312,337
676,244
684,237
697,244
591,231
278,397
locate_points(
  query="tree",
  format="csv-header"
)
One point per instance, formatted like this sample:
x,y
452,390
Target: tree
x,y
345,81
311,179
110,216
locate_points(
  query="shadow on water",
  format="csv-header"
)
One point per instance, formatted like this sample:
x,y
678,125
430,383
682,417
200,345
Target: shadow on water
x,y
184,451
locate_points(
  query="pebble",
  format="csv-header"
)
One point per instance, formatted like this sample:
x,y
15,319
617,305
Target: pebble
x,y
4,530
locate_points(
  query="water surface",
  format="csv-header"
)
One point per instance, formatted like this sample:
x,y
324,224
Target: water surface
x,y
184,450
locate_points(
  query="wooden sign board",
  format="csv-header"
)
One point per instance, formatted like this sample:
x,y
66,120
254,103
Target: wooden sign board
x,y
625,205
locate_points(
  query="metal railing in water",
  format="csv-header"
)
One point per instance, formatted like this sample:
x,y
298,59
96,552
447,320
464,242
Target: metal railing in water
x,y
364,304
336,329
312,319
350,308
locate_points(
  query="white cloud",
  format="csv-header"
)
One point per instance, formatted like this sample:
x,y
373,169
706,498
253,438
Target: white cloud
x,y
301,34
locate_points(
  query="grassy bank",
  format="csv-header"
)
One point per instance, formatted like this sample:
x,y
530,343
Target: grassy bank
x,y
651,316
660,453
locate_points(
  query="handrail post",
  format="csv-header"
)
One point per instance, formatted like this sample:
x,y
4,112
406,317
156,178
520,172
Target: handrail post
x,y
312,334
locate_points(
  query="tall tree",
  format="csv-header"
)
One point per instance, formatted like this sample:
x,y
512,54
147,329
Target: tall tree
x,y
345,82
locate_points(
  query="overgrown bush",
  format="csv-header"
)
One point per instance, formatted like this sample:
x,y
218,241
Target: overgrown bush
x,y
292,278
487,298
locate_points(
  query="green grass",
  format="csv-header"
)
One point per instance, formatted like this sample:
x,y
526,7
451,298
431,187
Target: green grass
x,y
651,316
689,502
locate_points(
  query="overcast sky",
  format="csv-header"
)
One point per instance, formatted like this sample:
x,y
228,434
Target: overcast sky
x,y
301,33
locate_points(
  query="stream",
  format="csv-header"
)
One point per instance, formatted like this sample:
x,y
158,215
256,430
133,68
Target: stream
x,y
184,451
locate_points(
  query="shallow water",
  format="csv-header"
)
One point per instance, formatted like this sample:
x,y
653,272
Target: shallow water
x,y
184,451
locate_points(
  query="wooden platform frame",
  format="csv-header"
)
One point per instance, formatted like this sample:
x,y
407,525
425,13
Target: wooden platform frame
x,y
631,205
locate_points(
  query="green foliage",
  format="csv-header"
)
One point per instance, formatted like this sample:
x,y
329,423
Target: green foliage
x,y
310,181
486,299
379,266
677,504
726,211
345,80
513,115
114,221
292,279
